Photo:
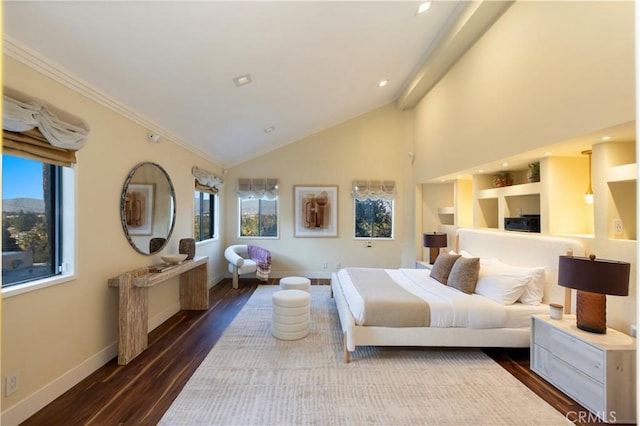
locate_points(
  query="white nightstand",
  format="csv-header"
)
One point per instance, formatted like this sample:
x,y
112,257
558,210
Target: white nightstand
x,y
423,264
596,370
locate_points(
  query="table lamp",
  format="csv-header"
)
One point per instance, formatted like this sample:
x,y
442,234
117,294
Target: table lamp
x,y
435,241
593,279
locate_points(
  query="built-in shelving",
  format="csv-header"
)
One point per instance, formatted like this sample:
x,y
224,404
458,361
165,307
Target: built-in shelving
x,y
558,196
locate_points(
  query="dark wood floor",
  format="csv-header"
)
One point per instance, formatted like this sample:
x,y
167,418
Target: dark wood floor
x,y
140,392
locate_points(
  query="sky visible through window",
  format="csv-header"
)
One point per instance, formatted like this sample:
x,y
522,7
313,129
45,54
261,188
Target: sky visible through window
x,y
21,178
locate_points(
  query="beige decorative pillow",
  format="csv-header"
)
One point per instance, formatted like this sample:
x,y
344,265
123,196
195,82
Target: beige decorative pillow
x,y
442,266
464,274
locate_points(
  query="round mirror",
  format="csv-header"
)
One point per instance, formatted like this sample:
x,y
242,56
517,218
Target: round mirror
x,y
148,208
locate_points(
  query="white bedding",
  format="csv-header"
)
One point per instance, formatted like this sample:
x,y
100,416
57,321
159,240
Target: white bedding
x,y
449,307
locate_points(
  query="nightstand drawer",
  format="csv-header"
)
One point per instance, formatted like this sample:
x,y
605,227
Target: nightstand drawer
x,y
583,389
584,357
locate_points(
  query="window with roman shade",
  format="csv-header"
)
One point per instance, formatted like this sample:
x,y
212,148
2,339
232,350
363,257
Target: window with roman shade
x,y
39,147
39,131
207,181
207,185
258,189
374,208
258,207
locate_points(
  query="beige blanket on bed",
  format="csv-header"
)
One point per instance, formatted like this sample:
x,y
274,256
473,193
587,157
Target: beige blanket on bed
x,y
387,304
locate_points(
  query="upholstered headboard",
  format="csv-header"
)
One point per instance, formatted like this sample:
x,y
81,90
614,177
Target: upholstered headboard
x,y
522,249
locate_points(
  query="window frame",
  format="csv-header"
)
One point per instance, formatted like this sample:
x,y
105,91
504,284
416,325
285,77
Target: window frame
x,y
67,240
393,221
213,208
261,237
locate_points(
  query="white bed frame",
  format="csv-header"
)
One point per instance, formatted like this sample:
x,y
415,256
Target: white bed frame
x,y
514,248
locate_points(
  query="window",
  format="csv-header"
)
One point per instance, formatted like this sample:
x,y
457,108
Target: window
x,y
259,218
258,207
374,219
204,215
31,220
373,203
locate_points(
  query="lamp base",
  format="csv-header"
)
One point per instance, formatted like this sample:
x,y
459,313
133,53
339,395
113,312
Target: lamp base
x,y
433,254
591,312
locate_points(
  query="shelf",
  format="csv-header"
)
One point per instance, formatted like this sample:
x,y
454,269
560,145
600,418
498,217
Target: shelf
x,y
446,210
510,191
623,173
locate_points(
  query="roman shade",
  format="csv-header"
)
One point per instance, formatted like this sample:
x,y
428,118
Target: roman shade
x,y
39,131
258,189
373,189
207,181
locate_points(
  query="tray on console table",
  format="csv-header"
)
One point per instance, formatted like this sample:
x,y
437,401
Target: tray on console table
x,y
133,288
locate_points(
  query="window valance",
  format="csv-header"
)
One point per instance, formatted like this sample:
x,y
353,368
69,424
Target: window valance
x,y
207,181
256,189
373,189
37,130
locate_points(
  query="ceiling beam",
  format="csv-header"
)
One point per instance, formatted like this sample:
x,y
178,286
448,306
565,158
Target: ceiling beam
x,y
474,20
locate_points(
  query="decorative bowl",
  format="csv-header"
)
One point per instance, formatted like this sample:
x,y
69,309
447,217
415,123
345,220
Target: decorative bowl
x,y
173,259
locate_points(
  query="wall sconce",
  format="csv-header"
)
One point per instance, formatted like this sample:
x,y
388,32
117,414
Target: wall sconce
x,y
593,279
435,241
588,196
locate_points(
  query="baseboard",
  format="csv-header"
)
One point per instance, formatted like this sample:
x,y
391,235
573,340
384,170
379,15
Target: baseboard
x,y
216,279
33,403
30,405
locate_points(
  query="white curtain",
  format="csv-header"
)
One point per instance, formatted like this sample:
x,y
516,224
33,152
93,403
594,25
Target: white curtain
x,y
258,189
61,129
373,189
207,179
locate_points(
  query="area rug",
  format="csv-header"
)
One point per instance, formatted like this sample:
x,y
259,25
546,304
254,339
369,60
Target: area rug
x,y
252,378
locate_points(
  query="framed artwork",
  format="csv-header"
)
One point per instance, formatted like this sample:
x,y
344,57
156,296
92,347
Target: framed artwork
x,y
139,208
315,211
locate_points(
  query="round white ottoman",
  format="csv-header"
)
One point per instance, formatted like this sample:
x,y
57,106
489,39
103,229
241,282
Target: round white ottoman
x,y
291,314
295,283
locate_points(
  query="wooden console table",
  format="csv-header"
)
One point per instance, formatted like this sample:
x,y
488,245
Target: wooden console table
x,y
133,302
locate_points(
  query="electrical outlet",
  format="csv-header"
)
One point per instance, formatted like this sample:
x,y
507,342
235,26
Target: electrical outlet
x,y
338,265
618,229
11,384
368,244
325,265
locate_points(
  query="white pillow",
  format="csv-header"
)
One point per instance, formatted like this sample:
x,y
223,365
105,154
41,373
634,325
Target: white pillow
x,y
463,253
534,291
504,283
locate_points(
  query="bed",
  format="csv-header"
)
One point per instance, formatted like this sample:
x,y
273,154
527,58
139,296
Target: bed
x,y
456,319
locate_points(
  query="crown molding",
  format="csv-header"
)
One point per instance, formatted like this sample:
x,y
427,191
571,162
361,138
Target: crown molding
x,y
43,65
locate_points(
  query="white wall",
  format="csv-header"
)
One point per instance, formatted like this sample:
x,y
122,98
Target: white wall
x,y
544,73
371,146
55,336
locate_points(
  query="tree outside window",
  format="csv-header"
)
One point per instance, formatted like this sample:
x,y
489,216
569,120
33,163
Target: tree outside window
x,y
374,218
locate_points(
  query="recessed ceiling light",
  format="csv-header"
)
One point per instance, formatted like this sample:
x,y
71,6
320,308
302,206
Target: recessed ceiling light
x,y
424,6
269,129
606,138
505,164
547,153
383,83
242,80
480,171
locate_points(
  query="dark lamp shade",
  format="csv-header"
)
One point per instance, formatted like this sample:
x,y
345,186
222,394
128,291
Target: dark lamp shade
x,y
435,239
595,276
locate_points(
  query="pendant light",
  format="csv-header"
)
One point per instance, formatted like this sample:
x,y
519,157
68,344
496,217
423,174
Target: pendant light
x,y
588,196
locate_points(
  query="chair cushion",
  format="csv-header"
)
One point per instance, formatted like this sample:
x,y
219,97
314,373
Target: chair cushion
x,y
248,267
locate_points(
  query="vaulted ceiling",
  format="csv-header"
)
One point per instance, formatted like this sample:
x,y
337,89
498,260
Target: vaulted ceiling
x,y
311,64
